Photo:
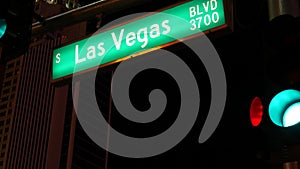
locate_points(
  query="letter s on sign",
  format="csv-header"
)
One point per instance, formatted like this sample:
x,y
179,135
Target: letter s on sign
x,y
57,58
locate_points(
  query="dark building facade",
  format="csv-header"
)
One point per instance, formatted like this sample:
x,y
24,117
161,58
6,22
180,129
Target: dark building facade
x,y
33,107
8,98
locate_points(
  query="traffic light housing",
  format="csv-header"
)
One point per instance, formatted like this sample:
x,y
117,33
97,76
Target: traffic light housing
x,y
282,41
16,22
280,99
276,106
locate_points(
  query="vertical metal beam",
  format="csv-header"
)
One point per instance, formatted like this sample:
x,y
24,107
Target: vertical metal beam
x,y
73,125
280,7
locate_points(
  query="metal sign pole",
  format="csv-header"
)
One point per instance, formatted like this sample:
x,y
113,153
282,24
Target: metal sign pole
x,y
280,7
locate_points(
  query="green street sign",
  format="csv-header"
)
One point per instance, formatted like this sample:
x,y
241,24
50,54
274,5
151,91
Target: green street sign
x,y
139,35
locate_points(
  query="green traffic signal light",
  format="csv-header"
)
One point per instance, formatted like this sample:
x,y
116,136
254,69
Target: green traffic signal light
x,y
284,108
291,115
3,26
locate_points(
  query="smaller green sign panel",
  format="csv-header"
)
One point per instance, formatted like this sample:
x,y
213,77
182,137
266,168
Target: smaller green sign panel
x,y
143,34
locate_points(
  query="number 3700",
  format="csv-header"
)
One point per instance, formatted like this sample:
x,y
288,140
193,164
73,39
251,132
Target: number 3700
x,y
207,19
